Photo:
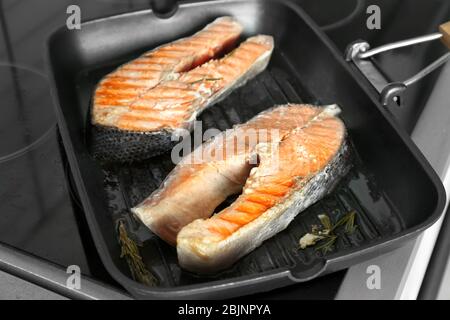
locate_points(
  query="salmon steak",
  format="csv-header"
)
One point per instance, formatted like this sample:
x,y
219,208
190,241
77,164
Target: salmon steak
x,y
138,107
280,162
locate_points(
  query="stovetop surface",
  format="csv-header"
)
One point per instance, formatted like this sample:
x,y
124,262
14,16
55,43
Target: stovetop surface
x,y
39,213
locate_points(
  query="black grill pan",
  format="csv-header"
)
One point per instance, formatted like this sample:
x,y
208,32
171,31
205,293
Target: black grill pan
x,y
392,188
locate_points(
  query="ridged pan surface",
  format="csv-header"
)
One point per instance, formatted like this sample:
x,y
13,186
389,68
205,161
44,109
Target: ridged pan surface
x,y
129,185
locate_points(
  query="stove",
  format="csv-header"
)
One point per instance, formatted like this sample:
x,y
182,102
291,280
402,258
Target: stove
x,y
42,226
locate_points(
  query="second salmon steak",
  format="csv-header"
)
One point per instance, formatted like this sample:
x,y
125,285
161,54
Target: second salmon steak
x,y
280,162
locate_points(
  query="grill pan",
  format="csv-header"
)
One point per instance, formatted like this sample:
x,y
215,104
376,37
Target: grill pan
x,y
392,189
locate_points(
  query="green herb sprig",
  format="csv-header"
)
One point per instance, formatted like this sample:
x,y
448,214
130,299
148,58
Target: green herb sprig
x,y
325,236
130,251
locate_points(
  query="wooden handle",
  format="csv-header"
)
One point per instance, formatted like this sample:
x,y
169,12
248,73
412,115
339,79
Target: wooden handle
x,y
445,30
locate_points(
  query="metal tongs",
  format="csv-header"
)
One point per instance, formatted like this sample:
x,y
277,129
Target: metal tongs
x,y
360,53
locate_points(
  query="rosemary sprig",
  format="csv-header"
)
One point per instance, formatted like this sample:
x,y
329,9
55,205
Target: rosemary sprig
x,y
350,226
326,234
328,244
130,251
348,221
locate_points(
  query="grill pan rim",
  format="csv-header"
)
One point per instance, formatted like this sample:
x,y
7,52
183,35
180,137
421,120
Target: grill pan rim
x,y
242,281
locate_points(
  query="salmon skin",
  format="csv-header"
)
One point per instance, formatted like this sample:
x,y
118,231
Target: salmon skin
x,y
138,107
298,163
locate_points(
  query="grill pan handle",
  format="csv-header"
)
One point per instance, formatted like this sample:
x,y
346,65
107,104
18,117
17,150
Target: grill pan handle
x,y
391,93
164,8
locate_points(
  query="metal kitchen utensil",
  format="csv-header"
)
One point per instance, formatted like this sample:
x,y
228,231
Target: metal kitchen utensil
x,y
391,93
